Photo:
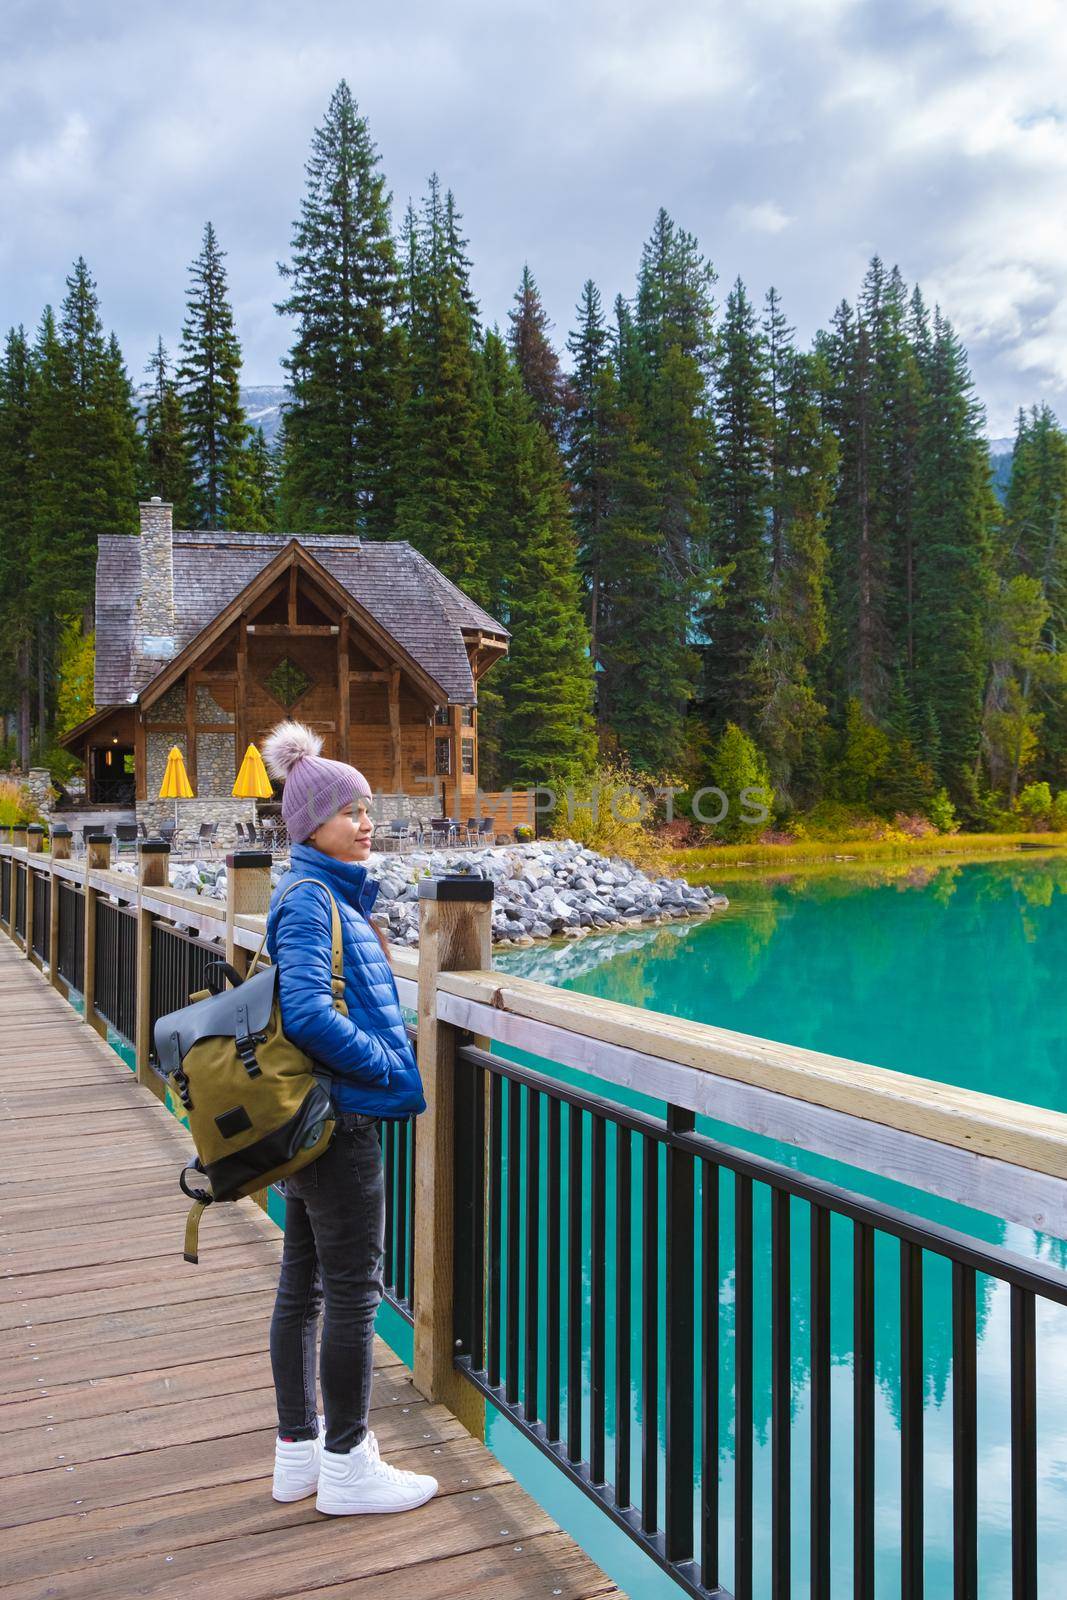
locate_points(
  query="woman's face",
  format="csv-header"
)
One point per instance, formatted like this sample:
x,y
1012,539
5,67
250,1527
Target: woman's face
x,y
347,834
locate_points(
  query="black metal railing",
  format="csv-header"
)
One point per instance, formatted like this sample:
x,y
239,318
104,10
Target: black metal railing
x,y
115,969
605,1298
42,906
20,898
71,934
178,969
5,890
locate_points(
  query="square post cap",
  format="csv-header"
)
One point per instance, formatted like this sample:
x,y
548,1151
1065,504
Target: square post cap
x,y
456,886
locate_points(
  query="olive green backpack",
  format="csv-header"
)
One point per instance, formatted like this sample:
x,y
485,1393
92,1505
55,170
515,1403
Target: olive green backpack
x,y
258,1107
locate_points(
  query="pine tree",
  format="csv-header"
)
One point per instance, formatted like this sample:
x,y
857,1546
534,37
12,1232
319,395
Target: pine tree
x,y
261,486
166,463
209,378
344,292
861,642
441,454
537,360
802,465
16,533
953,561
594,390
740,499
535,710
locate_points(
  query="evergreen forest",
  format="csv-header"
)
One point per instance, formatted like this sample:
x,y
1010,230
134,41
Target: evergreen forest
x,y
723,557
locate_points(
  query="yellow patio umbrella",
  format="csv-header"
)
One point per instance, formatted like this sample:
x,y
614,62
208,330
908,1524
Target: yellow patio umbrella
x,y
175,785
252,782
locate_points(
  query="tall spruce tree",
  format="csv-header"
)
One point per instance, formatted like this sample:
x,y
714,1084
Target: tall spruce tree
x,y
589,450
744,425
953,507
441,453
16,534
209,380
344,293
802,464
535,709
537,361
166,460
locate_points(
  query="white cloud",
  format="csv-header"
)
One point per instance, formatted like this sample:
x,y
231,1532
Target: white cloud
x,y
794,139
765,216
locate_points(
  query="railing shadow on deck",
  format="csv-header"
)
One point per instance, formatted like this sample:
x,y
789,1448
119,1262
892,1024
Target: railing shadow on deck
x,y
560,1253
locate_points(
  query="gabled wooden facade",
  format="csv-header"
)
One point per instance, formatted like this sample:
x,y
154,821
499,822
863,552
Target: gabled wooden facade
x,y
295,640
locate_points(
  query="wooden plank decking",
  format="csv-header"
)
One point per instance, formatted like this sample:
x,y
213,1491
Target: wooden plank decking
x,y
137,1415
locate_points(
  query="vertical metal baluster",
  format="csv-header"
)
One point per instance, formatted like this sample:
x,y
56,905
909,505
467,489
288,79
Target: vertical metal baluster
x,y
623,1331
863,1412
911,1419
680,1322
389,1163
495,1219
511,1328
410,1210
399,1213
743,1388
1023,1446
820,1404
709,1375
465,1240
553,1268
478,1253
533,1254
964,1434
597,1314
650,1335
781,1395
575,1199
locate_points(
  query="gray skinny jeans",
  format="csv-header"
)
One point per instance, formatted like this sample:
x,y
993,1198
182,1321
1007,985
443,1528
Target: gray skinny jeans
x,y
332,1258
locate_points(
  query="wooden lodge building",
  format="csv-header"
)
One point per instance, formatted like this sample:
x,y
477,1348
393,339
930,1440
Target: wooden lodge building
x,y
205,640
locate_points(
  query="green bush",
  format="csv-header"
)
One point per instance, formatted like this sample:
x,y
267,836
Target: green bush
x,y
740,770
942,812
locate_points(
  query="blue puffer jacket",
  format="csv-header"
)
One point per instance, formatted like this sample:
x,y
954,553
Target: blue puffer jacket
x,y
368,1051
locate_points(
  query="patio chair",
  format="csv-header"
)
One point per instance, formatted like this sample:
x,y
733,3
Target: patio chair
x,y
125,836
470,831
487,830
142,831
440,830
398,834
205,838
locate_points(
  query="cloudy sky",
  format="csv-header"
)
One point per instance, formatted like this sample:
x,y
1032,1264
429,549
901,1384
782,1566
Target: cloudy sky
x,y
794,137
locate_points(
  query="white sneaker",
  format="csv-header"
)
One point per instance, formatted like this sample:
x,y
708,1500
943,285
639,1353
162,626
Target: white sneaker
x,y
296,1466
361,1481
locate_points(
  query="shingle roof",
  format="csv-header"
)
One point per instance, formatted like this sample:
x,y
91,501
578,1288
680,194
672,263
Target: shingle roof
x,y
403,591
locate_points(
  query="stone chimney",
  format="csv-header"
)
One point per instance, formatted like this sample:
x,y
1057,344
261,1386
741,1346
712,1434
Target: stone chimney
x,y
153,631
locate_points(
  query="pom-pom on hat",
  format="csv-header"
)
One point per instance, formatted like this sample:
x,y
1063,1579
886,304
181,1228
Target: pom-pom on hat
x,y
315,787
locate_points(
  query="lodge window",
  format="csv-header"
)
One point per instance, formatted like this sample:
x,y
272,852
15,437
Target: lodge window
x,y
468,755
443,753
467,717
441,716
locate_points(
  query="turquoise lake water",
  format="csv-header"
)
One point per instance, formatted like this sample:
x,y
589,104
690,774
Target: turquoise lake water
x,y
951,972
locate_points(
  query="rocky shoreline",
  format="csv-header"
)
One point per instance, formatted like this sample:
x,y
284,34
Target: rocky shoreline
x,y
550,889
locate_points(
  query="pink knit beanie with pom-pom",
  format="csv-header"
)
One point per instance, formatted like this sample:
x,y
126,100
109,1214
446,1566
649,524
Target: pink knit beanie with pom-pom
x,y
315,787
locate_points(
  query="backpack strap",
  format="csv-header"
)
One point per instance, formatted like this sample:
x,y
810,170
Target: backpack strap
x,y
337,970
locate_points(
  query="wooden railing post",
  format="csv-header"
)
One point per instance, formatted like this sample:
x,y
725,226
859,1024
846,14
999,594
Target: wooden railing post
x,y
248,890
97,859
60,851
455,923
153,872
18,835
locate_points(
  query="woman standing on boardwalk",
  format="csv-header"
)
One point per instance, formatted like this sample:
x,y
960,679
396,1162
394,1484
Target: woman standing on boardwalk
x,y
333,1252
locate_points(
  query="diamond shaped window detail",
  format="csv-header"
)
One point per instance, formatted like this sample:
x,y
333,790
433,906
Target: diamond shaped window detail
x,y
287,682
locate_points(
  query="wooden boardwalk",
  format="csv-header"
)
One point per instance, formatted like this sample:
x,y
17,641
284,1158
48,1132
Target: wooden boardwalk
x,y
137,1415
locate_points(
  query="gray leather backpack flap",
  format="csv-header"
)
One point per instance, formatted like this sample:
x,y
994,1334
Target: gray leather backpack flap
x,y
238,1012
